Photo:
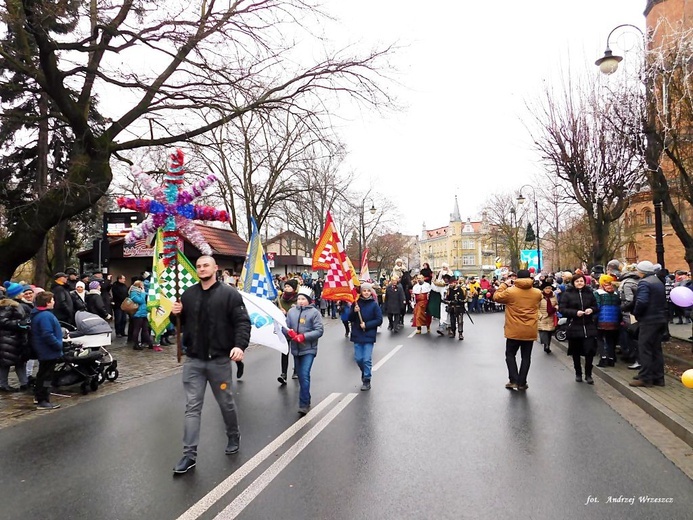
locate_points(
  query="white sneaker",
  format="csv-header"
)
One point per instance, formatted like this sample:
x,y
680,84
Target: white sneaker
x,y
635,366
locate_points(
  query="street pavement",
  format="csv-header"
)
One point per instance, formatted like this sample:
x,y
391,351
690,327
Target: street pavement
x,y
438,436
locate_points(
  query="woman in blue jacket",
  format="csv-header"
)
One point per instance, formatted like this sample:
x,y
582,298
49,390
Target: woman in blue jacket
x,y
365,317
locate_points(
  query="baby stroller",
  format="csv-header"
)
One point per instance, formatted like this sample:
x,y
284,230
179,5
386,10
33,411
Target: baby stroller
x,y
85,359
562,328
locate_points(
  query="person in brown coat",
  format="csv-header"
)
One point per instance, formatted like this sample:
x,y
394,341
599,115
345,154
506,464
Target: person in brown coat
x,y
521,302
547,313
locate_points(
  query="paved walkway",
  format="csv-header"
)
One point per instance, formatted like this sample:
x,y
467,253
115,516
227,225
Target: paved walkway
x,y
671,405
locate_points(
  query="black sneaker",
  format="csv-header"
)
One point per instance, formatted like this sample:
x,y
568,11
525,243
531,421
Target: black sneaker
x,y
294,375
282,379
184,464
233,445
9,389
240,367
47,406
366,385
303,410
578,379
589,380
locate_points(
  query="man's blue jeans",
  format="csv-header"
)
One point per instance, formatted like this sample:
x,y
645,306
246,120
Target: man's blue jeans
x,y
303,365
363,355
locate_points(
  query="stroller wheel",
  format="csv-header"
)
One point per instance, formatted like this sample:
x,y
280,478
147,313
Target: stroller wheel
x,y
94,384
84,387
112,374
100,377
561,335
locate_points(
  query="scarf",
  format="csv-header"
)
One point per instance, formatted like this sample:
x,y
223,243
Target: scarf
x,y
289,296
550,309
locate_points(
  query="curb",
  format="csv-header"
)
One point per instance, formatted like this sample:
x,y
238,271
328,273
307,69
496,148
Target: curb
x,y
669,419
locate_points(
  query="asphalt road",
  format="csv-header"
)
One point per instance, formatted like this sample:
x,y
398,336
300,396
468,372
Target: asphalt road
x,y
438,436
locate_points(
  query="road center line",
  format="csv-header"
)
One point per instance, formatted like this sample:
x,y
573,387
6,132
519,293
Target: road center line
x,y
412,334
253,490
224,487
389,355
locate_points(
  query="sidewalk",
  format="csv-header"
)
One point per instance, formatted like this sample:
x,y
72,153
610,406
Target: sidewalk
x,y
135,368
671,405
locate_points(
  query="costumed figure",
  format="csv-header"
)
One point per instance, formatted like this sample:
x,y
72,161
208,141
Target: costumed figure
x,y
420,293
456,298
399,269
436,308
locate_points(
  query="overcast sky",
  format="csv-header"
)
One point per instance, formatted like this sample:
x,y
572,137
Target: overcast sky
x,y
466,72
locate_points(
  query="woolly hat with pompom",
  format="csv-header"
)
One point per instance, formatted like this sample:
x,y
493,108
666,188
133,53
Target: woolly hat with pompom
x,y
13,289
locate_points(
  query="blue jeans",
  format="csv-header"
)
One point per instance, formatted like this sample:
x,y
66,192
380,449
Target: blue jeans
x,y
303,365
363,355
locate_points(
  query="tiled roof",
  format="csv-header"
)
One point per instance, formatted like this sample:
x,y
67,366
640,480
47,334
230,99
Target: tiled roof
x,y
223,241
433,233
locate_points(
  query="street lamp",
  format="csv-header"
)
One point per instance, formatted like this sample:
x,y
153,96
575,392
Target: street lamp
x,y
362,233
521,200
607,65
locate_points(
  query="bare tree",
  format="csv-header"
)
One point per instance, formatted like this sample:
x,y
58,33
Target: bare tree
x,y
505,225
669,124
230,57
600,162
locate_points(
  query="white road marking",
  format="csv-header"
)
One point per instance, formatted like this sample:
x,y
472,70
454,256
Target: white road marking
x,y
412,334
389,355
224,487
253,490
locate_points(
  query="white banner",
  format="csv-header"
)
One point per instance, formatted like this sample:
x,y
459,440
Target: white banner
x,y
267,320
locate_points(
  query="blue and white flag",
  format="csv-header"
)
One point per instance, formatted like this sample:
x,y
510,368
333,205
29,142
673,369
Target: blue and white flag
x,y
256,277
267,323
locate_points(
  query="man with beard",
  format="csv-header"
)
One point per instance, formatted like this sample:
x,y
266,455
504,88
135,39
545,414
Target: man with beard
x,y
216,331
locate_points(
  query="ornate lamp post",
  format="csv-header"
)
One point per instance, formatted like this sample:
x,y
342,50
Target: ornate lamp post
x,y
608,64
362,231
521,200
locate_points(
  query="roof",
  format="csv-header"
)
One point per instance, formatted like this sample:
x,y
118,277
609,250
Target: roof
x,y
223,241
435,233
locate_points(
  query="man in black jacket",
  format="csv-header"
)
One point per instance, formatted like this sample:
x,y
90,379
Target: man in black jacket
x,y
216,331
120,292
651,312
64,308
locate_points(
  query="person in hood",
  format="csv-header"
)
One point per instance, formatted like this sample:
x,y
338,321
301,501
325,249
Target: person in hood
x,y
286,300
365,317
305,327
14,326
79,295
47,343
608,320
521,302
580,306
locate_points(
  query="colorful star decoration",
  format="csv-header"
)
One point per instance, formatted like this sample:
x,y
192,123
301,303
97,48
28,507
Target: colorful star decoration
x,y
171,209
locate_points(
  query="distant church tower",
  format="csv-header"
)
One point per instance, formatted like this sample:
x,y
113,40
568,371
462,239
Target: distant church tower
x,y
455,215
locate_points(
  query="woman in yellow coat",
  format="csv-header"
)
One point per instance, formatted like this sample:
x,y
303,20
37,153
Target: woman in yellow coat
x,y
548,306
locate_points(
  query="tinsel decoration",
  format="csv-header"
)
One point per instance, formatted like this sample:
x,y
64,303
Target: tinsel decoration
x,y
171,208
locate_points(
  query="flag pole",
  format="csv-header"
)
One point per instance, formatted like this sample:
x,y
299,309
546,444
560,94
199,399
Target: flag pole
x,y
179,347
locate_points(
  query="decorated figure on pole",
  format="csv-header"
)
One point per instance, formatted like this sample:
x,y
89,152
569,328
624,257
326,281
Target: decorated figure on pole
x,y
171,210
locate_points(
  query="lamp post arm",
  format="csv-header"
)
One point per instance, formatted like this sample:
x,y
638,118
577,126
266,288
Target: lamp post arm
x,y
620,27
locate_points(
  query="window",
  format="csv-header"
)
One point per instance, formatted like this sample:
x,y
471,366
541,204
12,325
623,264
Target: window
x,y
468,244
647,217
468,260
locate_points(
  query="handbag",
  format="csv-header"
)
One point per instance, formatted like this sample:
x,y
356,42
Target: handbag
x,y
555,319
128,306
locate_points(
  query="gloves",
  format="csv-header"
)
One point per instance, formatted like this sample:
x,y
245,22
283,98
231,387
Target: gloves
x,y
300,338
292,334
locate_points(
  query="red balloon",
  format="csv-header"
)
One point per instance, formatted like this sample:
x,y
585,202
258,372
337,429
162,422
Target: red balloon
x,y
531,270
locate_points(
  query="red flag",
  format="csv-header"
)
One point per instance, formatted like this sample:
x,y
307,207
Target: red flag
x,y
365,275
330,256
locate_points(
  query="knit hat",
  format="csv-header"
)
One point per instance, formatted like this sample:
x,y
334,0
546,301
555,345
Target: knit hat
x,y
13,289
293,283
524,273
94,285
306,292
645,267
366,285
606,279
80,284
545,284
